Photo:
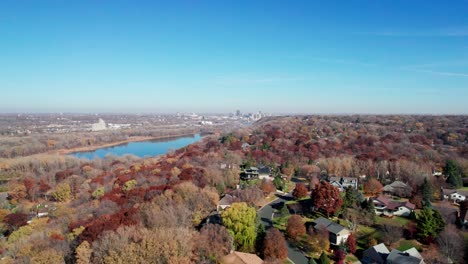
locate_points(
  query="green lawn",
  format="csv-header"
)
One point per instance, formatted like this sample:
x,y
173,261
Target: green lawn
x,y
280,222
364,233
407,244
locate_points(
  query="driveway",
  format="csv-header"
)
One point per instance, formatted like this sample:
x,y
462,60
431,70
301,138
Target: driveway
x,y
265,214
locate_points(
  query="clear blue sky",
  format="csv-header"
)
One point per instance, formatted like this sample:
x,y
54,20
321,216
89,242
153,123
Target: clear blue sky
x,y
218,56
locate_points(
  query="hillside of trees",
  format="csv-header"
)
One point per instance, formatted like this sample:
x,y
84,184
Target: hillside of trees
x,y
154,208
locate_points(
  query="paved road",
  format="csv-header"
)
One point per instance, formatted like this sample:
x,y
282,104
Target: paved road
x,y
265,215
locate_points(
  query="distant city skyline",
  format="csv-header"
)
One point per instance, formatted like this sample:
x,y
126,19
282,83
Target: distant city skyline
x,y
306,57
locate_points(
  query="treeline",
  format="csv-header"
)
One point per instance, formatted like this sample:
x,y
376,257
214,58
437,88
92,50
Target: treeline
x,y
154,209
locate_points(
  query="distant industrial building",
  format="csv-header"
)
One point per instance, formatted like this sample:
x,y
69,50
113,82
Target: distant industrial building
x,y
100,125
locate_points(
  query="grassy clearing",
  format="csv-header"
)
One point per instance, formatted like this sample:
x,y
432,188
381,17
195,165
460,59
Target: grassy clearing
x,y
364,234
397,220
280,222
407,244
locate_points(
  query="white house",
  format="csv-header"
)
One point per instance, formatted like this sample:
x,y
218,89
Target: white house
x,y
338,234
453,195
343,182
385,206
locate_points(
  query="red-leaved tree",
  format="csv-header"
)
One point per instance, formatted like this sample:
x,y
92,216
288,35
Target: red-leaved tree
x,y
300,191
295,227
274,245
351,244
326,197
340,256
373,187
15,221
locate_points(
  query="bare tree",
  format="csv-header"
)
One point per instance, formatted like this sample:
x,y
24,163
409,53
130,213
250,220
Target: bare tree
x,y
451,243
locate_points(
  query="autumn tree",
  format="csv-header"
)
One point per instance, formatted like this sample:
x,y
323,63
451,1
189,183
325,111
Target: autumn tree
x,y
274,245
15,220
318,240
267,187
239,219
62,192
300,191
326,197
351,244
373,187
339,255
295,227
83,253
213,242
140,245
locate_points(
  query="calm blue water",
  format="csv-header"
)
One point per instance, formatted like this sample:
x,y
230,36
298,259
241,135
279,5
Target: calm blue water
x,y
140,149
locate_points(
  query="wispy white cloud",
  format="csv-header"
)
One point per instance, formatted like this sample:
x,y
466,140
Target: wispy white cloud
x,y
344,62
329,60
435,32
243,80
443,73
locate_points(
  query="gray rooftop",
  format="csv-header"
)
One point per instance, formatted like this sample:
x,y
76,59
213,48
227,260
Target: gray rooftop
x,y
329,225
398,257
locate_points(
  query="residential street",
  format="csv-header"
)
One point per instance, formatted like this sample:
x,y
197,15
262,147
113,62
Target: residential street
x,y
265,215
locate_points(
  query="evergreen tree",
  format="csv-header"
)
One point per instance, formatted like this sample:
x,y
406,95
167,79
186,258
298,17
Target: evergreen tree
x,y
439,223
429,223
279,183
427,191
452,171
425,223
324,258
284,210
261,233
350,197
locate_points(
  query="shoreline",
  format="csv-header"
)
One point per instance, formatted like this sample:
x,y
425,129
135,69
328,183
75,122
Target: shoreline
x,y
118,143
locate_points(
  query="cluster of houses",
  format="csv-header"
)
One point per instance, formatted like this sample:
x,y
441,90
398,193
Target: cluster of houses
x,y
338,234
380,254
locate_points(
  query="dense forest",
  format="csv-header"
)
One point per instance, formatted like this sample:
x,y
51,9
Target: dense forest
x,y
155,209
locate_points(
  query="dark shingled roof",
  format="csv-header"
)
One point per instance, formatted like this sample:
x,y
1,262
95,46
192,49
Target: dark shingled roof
x,y
329,225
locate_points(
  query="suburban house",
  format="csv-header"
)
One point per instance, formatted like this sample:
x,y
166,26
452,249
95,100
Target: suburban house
x,y
384,206
410,256
398,188
237,257
379,254
264,172
453,195
343,182
225,202
249,174
225,166
375,255
338,234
